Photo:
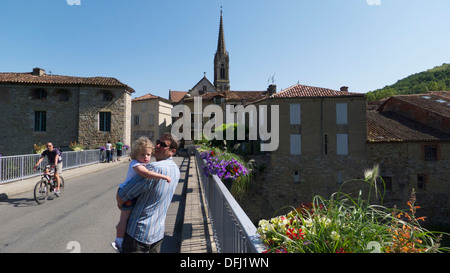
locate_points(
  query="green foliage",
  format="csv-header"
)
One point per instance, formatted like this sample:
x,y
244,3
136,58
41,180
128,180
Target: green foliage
x,y
435,79
345,224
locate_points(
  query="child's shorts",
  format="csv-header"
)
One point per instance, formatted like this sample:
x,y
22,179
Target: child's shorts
x,y
129,204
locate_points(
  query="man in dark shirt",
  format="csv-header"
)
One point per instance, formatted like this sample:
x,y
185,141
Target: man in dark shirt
x,y
54,158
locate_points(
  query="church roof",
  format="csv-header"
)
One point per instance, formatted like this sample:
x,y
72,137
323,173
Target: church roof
x,y
233,96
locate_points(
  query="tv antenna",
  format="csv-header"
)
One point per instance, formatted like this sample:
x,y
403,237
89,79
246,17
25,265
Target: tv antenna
x,y
271,78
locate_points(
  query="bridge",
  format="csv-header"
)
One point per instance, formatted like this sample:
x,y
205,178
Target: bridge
x,y
202,218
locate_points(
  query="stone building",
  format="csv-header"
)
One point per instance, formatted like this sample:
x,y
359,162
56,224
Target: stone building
x,y
38,107
409,137
322,143
152,116
328,139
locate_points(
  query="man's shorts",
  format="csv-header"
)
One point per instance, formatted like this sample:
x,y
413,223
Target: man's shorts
x,y
58,168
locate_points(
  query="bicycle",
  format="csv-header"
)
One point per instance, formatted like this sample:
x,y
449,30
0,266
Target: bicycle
x,y
47,184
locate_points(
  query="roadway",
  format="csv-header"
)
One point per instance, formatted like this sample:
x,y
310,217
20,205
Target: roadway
x,y
83,219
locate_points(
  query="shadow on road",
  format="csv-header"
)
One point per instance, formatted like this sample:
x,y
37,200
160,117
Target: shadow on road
x,y
18,202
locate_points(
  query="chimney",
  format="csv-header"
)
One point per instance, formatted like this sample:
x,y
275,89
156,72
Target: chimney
x,y
344,88
38,71
272,89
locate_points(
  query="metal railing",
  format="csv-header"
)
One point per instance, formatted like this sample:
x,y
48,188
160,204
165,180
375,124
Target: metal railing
x,y
19,167
233,230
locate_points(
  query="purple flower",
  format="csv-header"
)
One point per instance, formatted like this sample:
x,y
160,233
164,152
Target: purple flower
x,y
224,169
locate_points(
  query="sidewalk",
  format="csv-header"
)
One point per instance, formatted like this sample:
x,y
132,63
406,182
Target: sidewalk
x,y
197,235
27,185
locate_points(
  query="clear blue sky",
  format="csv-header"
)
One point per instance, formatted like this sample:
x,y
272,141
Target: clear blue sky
x,y
157,45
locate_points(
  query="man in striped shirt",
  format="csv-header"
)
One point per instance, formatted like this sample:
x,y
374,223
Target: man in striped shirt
x,y
145,228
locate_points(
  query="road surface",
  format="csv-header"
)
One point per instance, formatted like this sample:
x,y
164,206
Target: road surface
x,y
82,220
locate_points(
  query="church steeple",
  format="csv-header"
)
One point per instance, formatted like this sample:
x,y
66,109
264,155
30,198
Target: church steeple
x,y
221,41
221,61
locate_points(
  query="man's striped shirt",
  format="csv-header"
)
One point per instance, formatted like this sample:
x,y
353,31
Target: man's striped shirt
x,y
147,219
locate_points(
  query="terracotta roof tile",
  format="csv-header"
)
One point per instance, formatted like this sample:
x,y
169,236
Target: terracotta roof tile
x,y
30,78
233,96
392,127
145,97
437,102
305,91
176,96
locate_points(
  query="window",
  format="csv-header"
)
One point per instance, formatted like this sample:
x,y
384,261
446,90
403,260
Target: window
x,y
296,144
107,96
342,144
421,182
387,183
151,119
296,177
149,134
222,71
40,121
218,100
63,95
340,177
137,120
430,153
341,113
39,94
105,121
295,115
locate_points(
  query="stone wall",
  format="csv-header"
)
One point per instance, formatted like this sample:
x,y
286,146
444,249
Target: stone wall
x,y
284,182
72,114
274,190
404,162
17,118
91,104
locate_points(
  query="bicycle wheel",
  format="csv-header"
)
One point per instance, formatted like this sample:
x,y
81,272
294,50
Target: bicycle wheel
x,y
61,186
41,191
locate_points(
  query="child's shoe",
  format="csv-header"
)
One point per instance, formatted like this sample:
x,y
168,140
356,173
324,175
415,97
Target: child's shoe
x,y
116,247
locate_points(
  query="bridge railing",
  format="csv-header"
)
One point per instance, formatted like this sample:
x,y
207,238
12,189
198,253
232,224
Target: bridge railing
x,y
19,167
233,230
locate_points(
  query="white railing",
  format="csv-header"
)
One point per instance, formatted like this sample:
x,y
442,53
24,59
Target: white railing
x,y
19,167
233,230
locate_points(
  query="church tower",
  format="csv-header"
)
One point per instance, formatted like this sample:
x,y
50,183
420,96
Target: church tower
x,y
221,62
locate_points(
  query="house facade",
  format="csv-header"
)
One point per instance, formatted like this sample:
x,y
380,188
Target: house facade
x,y
322,143
151,116
38,107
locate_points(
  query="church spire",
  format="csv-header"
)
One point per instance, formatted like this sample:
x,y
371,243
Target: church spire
x,y
221,41
221,61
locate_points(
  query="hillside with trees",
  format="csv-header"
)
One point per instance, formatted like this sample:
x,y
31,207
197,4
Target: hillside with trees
x,y
435,79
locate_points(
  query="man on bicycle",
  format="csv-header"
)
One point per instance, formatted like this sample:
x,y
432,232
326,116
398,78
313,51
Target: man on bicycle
x,y
54,158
